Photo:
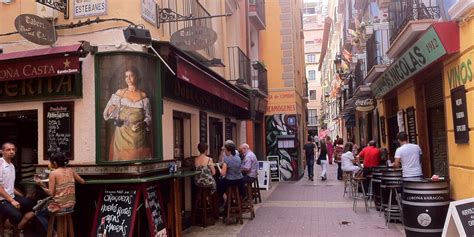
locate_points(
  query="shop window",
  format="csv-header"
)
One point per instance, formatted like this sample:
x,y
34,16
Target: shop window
x,y
181,135
312,75
129,106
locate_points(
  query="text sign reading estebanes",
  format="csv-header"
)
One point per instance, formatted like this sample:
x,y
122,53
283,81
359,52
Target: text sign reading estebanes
x,y
116,213
35,29
84,8
58,127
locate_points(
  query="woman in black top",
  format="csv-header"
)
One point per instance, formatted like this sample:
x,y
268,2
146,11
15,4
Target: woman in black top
x,y
323,159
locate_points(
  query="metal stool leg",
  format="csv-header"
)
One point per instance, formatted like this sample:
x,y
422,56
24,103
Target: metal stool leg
x,y
389,208
364,197
397,197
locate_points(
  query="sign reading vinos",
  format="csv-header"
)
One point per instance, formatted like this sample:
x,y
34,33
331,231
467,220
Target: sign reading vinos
x,y
365,104
35,29
194,38
425,51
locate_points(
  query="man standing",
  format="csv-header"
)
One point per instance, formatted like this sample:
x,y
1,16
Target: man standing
x,y
371,156
309,148
13,205
408,156
249,164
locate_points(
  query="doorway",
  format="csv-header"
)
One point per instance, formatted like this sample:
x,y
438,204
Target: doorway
x,y
215,138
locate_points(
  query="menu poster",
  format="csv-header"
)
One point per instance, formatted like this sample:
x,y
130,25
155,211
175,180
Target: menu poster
x,y
459,105
202,126
382,129
274,167
154,210
115,215
58,124
460,219
411,124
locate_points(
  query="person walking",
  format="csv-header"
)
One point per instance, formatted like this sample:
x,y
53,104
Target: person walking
x,y
322,160
309,151
330,149
338,150
408,157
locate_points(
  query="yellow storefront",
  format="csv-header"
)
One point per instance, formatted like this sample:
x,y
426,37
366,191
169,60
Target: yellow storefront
x,y
457,78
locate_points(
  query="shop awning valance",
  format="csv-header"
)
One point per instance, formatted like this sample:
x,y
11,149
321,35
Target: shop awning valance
x,y
40,63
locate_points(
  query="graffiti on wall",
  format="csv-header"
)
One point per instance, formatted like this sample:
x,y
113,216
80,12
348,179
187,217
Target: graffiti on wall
x,y
282,140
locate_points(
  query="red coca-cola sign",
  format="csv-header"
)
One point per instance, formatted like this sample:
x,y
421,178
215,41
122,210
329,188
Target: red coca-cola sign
x,y
365,104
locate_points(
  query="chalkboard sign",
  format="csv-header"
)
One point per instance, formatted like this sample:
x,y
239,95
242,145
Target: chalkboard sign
x,y
382,129
154,210
115,215
460,120
460,218
228,129
59,128
202,126
411,124
274,167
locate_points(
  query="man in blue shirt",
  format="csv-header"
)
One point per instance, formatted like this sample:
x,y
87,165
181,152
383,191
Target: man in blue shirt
x,y
249,165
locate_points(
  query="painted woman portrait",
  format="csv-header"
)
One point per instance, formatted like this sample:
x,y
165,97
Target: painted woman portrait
x,y
130,112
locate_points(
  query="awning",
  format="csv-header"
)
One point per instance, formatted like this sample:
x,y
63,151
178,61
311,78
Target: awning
x,y
40,63
324,45
441,39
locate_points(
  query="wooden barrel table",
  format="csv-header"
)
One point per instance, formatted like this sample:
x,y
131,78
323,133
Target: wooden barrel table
x,y
391,178
376,180
425,206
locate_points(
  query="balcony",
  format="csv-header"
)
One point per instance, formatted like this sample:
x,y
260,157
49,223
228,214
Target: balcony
x,y
259,78
239,66
257,13
377,46
403,11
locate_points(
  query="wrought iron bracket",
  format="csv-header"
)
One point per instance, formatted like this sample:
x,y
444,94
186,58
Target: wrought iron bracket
x,y
167,15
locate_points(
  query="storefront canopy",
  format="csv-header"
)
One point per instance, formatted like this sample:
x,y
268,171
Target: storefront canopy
x,y
441,39
40,63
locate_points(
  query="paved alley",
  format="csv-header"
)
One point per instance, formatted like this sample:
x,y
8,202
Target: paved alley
x,y
306,208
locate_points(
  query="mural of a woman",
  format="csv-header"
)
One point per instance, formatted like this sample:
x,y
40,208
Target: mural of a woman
x,y
129,109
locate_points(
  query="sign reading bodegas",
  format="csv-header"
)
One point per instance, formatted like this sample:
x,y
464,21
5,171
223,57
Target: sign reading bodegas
x,y
426,50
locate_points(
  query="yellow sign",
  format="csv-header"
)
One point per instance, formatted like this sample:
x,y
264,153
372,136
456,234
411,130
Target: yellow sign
x,y
282,96
281,108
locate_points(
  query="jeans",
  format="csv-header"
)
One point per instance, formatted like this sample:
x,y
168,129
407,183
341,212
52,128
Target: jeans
x,y
310,163
13,214
43,215
324,166
339,171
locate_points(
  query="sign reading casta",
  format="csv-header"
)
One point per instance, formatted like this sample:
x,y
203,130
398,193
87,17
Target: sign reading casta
x,y
35,29
365,104
194,38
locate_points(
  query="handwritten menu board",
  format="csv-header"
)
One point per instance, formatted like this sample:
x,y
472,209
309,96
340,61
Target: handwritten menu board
x,y
154,211
466,215
58,133
459,104
274,167
411,124
460,218
202,126
115,216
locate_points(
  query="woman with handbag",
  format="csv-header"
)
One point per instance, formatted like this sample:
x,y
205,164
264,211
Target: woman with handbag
x,y
322,160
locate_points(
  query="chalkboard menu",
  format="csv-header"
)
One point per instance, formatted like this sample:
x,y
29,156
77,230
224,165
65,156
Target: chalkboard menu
x,y
466,215
461,126
202,126
154,211
382,129
228,129
274,167
115,216
411,124
59,128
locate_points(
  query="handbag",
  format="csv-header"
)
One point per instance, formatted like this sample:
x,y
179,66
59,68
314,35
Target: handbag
x,y
318,161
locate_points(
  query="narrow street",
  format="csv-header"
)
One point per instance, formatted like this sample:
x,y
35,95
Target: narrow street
x,y
306,208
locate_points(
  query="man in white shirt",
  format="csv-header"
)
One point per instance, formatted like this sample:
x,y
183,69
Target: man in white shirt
x,y
408,156
13,205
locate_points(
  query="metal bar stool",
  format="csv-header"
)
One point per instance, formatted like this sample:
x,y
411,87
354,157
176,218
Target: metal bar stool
x,y
370,192
256,191
356,196
347,178
390,209
247,202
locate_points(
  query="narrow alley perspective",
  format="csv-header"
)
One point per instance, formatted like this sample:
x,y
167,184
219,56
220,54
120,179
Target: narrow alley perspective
x,y
306,208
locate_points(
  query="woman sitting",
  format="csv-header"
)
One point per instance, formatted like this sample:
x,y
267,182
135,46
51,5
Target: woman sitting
x,y
230,172
204,164
61,188
348,160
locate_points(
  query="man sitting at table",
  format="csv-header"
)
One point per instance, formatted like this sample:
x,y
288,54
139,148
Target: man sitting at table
x,y
13,205
249,165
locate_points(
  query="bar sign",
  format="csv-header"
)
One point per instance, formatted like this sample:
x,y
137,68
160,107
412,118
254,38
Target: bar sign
x,y
461,126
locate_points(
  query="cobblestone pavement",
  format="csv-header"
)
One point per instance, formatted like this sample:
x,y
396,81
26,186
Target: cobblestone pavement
x,y
306,208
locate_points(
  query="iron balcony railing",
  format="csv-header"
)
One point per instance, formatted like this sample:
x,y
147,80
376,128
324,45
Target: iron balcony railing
x,y
239,66
403,11
258,6
377,46
259,77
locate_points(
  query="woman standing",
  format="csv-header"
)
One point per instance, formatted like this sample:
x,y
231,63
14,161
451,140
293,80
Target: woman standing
x,y
323,160
330,149
338,150
130,110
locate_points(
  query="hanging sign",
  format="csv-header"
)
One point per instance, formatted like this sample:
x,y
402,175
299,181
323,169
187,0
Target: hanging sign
x,y
365,104
149,12
35,29
461,125
194,38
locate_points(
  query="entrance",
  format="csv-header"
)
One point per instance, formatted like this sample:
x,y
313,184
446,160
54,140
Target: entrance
x,y
215,138
21,129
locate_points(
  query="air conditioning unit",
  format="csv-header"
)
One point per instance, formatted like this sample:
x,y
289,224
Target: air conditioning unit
x,y
46,12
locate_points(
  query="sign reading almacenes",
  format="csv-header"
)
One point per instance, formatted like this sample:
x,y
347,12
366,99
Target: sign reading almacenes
x,y
430,47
